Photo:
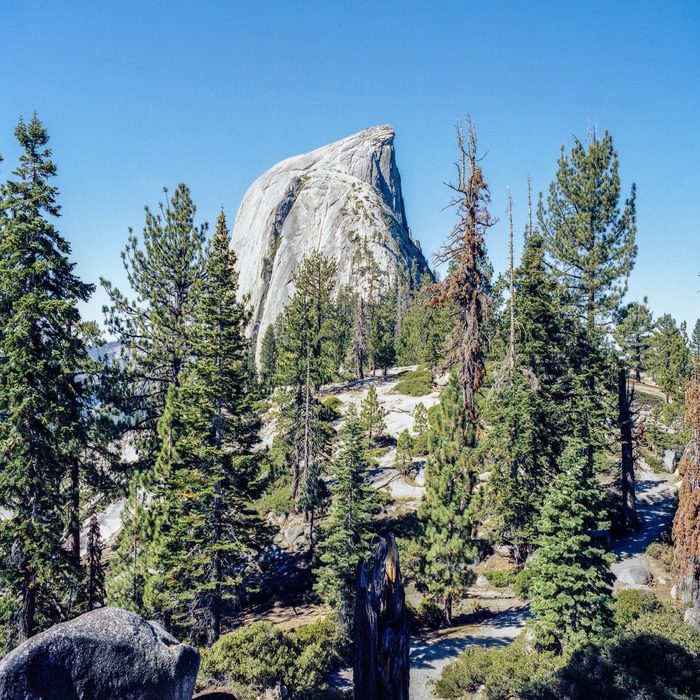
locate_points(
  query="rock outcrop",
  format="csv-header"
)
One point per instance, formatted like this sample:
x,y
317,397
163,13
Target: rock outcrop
x,y
343,200
102,655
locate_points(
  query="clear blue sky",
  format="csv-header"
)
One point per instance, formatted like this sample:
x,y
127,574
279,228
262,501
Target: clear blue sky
x,y
141,94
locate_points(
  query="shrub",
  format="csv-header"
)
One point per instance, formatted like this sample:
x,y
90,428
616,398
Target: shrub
x,y
404,453
277,500
333,404
663,553
630,604
500,578
416,383
260,655
427,616
521,583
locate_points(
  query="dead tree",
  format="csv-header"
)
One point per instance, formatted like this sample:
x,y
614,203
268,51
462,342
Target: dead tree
x,y
626,421
382,640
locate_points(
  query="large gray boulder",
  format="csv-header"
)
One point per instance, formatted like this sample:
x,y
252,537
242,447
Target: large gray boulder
x,y
106,654
343,200
635,575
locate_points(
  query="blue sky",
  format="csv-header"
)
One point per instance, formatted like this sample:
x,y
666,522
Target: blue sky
x,y
137,95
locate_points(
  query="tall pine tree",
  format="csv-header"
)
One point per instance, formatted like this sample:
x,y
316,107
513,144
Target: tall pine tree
x,y
41,397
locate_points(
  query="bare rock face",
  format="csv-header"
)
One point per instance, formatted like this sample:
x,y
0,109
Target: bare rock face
x,y
343,200
102,655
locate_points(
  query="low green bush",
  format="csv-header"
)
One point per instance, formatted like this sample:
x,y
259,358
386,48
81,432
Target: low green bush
x,y
333,404
277,500
427,616
663,553
500,578
260,655
631,604
522,582
416,383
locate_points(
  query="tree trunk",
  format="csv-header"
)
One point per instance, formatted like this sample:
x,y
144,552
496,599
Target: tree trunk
x,y
381,666
629,504
74,526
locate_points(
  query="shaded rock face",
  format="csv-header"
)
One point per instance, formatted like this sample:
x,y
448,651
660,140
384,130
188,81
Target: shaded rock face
x,y
343,200
102,655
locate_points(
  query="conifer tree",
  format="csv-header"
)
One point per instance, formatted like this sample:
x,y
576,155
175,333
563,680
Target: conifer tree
x,y
268,359
669,357
347,532
571,582
42,400
381,341
695,341
633,335
590,241
152,326
445,511
360,336
95,566
404,453
204,529
305,362
372,415
420,419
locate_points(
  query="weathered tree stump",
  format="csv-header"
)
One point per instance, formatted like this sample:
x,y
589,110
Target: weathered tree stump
x,y
381,666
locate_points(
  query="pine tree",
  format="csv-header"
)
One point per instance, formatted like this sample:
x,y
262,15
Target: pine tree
x,y
42,400
420,419
305,362
347,532
404,453
518,453
204,529
360,336
591,243
445,512
381,340
571,582
695,341
372,415
95,566
669,357
152,327
633,335
268,359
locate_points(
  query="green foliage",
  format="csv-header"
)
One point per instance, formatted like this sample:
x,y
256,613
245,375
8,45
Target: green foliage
x,y
277,499
571,580
445,509
372,415
633,335
631,604
347,532
416,383
260,655
669,357
420,420
43,402
427,616
333,404
501,578
268,359
404,453
663,553
381,337
501,674
591,242
522,583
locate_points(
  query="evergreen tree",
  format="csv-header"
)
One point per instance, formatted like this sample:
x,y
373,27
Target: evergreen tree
x,y
591,243
42,399
695,341
633,335
571,582
381,341
268,359
152,327
204,529
95,566
347,532
372,415
518,453
305,362
669,359
404,453
343,318
360,336
420,419
445,511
